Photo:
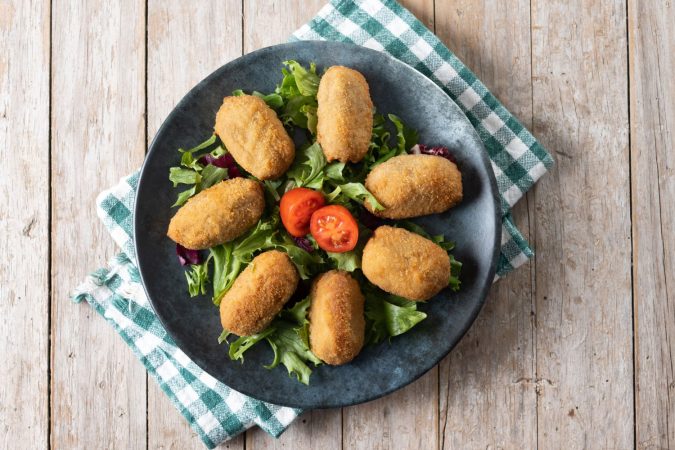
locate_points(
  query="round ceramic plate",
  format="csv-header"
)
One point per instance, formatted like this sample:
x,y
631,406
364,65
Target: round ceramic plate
x,y
474,225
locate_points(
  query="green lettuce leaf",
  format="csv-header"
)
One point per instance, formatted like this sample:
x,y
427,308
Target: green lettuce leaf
x,y
225,270
197,277
257,239
308,264
307,169
388,315
406,137
273,100
293,114
297,91
347,261
223,336
309,111
292,352
356,192
298,314
185,196
380,149
243,343
334,172
288,87
307,81
207,144
188,160
455,270
192,172
272,188
178,175
288,336
212,175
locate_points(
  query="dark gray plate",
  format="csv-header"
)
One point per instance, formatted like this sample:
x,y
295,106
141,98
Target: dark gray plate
x,y
475,225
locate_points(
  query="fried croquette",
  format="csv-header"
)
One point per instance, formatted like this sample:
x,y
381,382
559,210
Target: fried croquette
x,y
254,135
345,115
258,293
405,264
218,214
414,185
336,318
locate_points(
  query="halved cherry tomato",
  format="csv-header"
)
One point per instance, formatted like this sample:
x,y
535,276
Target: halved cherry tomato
x,y
334,229
296,208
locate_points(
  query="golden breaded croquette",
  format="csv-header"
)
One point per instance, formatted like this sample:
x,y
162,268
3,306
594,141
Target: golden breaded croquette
x,y
405,264
414,185
218,214
345,115
336,318
254,135
258,293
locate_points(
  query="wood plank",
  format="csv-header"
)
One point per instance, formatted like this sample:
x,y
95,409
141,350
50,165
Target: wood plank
x,y
318,429
406,419
652,108
186,42
98,136
583,272
269,23
487,384
272,22
409,417
24,221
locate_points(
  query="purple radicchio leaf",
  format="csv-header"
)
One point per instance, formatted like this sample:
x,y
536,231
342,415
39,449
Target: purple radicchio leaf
x,y
304,244
421,149
187,256
225,161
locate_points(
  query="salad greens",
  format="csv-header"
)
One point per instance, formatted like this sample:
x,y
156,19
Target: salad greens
x,y
195,171
388,315
294,100
288,336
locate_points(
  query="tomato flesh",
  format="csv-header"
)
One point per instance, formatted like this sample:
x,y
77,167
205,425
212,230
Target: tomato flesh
x,y
296,208
334,229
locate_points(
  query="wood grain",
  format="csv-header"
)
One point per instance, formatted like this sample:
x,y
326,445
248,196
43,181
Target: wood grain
x,y
98,135
406,419
272,22
186,42
652,108
549,362
318,429
583,274
24,221
487,384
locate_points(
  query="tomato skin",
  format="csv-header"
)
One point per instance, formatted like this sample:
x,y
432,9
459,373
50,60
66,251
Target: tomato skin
x,y
334,229
296,208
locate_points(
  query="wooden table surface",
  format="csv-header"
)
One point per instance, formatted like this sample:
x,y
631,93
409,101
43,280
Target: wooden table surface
x,y
574,350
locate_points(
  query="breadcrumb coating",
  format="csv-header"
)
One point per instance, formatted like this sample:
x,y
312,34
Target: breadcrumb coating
x,y
336,318
259,293
218,214
405,264
254,135
414,185
345,115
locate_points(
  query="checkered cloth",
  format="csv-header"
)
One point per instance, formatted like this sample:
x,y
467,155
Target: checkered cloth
x,y
215,411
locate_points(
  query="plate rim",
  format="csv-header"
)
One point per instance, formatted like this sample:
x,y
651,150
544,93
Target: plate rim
x,y
152,148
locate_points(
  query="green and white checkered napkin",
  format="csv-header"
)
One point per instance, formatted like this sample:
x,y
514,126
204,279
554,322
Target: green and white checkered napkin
x,y
213,410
